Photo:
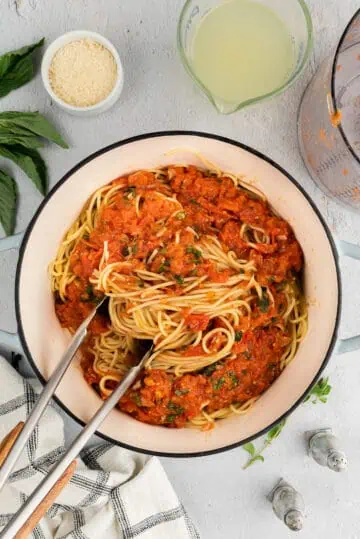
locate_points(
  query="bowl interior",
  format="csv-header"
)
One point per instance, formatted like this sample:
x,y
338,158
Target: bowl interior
x,y
44,340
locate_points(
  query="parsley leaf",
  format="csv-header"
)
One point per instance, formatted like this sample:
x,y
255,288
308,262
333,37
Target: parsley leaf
x,y
177,410
234,379
191,250
179,279
238,336
217,384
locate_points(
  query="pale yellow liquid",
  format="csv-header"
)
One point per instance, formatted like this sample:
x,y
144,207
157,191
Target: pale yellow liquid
x,y
242,50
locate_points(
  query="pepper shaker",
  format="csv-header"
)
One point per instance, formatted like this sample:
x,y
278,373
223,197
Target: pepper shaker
x,y
325,448
288,505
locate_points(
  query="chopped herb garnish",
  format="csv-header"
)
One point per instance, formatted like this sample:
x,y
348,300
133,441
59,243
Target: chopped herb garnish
x,y
272,366
162,250
238,336
86,236
191,250
177,410
180,215
90,296
207,371
179,279
166,263
193,201
129,193
271,279
180,392
280,286
234,378
244,372
264,301
134,249
137,399
320,391
161,268
274,319
125,251
217,384
170,418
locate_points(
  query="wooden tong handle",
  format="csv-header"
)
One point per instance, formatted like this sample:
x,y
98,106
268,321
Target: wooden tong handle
x,y
42,508
9,441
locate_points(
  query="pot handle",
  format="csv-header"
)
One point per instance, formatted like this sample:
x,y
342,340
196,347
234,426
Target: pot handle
x,y
353,251
11,340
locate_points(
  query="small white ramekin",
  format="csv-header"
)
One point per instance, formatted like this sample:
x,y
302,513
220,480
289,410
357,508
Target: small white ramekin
x,y
102,106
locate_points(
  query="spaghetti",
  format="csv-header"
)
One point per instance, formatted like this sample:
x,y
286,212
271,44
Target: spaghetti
x,y
197,261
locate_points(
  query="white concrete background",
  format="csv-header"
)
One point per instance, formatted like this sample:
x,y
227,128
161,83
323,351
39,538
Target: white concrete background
x,y
223,500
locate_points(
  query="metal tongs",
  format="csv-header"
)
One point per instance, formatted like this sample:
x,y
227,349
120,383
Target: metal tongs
x,y
63,470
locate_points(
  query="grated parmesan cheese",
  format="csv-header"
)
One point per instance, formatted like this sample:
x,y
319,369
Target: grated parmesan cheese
x,y
83,73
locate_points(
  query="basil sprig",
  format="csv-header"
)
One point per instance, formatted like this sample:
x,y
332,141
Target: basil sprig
x,y
21,133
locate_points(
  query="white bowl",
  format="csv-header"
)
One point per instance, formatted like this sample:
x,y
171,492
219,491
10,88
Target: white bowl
x,y
44,341
92,110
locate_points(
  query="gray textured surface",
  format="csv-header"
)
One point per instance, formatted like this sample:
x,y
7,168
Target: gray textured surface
x,y
224,500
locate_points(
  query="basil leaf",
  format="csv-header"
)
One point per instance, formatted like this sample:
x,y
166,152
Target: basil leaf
x,y
8,199
16,68
250,448
30,161
27,141
33,122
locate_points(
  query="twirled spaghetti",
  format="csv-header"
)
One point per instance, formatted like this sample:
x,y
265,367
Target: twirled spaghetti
x,y
197,261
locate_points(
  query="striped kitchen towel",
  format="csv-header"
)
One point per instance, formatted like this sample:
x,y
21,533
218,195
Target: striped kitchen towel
x,y
114,493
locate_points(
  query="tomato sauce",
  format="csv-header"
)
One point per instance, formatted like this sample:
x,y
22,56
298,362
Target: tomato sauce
x,y
210,205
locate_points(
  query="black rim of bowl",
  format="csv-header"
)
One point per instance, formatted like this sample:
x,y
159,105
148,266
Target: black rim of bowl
x,y
129,141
